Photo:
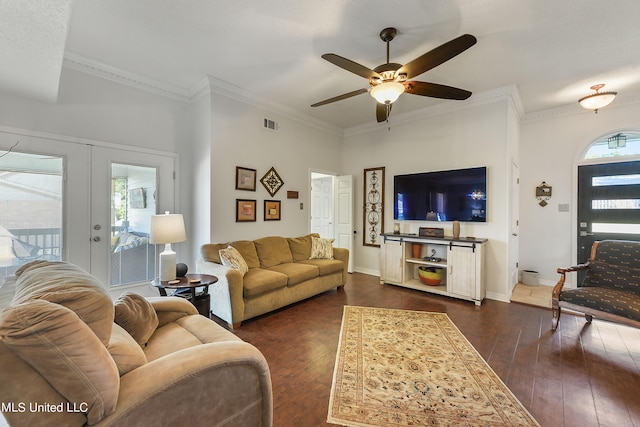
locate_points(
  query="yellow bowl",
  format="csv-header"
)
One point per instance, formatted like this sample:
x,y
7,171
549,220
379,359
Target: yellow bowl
x,y
431,276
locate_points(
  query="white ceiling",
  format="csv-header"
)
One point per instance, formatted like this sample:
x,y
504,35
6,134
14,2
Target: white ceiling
x,y
552,50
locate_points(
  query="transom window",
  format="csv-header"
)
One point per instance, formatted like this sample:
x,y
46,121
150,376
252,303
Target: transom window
x,y
618,145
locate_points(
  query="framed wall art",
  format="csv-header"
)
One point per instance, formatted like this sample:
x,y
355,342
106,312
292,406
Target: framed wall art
x,y
137,198
272,210
272,181
373,206
245,179
245,210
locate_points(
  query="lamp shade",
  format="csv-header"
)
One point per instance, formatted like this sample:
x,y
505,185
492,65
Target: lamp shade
x,y
388,92
167,228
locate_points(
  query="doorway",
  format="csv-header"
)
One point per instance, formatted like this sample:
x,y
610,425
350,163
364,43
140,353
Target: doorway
x,y
608,194
331,201
322,205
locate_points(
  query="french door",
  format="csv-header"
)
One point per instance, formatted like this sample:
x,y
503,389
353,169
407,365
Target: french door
x,y
127,188
608,204
89,205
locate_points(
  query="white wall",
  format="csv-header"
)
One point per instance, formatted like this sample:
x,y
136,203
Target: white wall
x,y
473,136
239,139
198,176
550,150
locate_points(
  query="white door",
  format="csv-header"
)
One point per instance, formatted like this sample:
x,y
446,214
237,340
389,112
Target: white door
x,y
127,188
344,227
322,206
514,238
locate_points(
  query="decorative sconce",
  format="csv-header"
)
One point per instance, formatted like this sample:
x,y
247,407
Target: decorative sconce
x,y
543,193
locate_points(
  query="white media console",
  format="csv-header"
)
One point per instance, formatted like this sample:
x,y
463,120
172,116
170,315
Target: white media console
x,y
463,259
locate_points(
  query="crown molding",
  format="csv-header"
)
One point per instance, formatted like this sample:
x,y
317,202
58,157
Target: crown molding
x,y
621,100
208,84
221,87
107,72
507,93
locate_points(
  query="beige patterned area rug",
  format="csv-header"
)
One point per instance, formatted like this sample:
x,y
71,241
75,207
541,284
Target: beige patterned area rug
x,y
414,368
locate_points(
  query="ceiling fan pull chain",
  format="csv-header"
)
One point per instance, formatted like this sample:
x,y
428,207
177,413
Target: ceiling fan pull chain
x,y
388,114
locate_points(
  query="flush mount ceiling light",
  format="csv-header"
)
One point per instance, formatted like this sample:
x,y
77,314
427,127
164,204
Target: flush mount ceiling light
x,y
597,100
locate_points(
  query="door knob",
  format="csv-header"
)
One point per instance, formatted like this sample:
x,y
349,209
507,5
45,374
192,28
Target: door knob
x,y
96,239
97,227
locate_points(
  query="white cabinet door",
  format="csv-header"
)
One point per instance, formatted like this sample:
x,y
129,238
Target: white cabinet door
x,y
462,271
391,262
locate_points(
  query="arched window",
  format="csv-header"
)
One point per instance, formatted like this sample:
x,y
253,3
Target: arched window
x,y
618,145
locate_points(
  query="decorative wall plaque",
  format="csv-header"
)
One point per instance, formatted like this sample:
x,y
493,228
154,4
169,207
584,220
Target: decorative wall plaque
x,y
272,181
373,206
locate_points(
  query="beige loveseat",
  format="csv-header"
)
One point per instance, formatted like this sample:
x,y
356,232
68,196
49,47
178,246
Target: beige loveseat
x,y
281,271
69,356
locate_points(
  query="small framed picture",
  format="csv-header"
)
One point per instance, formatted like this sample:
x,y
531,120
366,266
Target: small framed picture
x,y
272,210
245,210
245,179
137,198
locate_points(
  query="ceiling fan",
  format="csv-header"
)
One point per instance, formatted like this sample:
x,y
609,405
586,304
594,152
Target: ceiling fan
x,y
388,81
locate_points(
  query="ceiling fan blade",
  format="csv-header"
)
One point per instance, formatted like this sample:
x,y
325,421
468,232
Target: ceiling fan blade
x,y
435,90
340,97
381,111
437,56
351,66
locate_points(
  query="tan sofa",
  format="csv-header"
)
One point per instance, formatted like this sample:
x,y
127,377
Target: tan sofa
x,y
280,272
71,356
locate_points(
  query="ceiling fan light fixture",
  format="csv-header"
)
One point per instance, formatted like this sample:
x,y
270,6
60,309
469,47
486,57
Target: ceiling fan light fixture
x,y
597,100
387,92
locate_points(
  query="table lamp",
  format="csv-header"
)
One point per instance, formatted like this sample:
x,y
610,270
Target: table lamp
x,y
167,229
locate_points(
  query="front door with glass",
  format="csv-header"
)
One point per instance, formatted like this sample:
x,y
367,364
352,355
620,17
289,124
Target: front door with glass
x,y
608,204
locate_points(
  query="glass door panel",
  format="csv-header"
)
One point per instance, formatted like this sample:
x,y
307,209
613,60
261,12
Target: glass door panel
x,y
133,192
31,189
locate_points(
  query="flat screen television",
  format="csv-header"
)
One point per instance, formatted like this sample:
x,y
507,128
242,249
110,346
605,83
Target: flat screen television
x,y
450,195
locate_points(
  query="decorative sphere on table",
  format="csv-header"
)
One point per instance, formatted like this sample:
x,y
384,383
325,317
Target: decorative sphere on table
x,y
181,269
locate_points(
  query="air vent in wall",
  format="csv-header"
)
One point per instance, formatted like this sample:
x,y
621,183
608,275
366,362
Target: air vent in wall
x,y
271,125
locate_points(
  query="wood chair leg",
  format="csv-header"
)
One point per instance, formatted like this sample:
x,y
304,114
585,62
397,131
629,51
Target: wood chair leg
x,y
556,318
588,317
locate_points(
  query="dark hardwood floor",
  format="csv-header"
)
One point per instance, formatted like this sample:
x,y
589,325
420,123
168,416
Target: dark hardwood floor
x,y
582,375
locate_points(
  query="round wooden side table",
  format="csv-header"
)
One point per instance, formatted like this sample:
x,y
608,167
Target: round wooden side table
x,y
190,283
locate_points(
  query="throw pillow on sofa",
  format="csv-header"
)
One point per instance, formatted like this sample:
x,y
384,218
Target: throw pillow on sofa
x,y
231,258
321,248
